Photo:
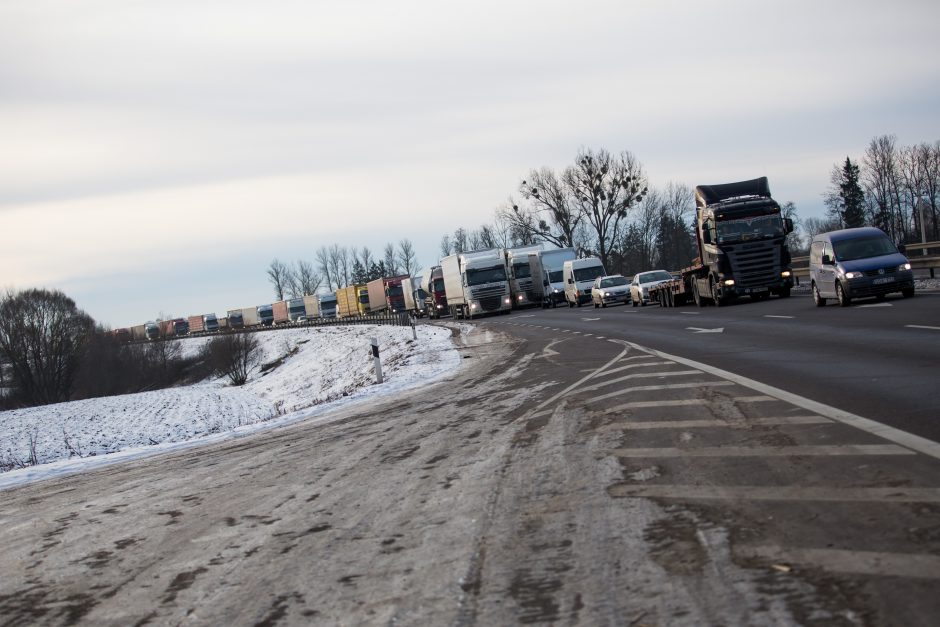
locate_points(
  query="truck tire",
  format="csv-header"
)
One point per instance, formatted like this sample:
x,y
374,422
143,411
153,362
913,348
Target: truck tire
x,y
784,292
695,294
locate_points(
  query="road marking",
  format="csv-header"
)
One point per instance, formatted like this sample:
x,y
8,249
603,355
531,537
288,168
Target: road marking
x,y
873,563
691,313
600,337
639,375
588,335
775,493
631,366
754,399
911,441
654,388
708,423
698,330
921,326
685,401
785,317
590,319
874,305
767,451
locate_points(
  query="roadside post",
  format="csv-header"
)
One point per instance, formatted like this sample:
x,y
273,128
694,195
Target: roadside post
x,y
378,362
414,331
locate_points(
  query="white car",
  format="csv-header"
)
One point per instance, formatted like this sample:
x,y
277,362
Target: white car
x,y
610,289
643,281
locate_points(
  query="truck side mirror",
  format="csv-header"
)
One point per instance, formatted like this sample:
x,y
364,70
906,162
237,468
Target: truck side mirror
x,y
788,224
706,236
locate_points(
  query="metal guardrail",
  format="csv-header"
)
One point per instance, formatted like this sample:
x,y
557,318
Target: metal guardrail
x,y
924,265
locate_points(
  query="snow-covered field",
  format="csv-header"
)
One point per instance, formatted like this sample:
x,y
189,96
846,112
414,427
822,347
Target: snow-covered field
x,y
321,369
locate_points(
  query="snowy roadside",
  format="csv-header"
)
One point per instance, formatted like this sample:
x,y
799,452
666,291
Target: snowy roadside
x,y
322,369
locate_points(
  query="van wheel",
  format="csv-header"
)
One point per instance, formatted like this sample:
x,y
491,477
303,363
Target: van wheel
x,y
844,299
819,300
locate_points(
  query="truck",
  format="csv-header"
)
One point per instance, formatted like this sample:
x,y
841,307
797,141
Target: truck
x,y
436,299
196,324
519,269
279,310
415,296
352,300
138,332
387,294
296,307
326,305
547,268
476,283
742,250
243,317
152,330
266,315
210,323
579,275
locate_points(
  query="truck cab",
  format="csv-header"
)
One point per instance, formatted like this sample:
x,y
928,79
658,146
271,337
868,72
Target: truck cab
x,y
436,299
327,305
266,315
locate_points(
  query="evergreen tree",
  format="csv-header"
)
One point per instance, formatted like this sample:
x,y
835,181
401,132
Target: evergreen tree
x,y
853,198
359,274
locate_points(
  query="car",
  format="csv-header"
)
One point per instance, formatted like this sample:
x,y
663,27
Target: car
x,y
612,288
857,263
642,282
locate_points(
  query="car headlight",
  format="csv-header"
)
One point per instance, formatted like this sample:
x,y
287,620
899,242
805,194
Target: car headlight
x,y
853,275
904,266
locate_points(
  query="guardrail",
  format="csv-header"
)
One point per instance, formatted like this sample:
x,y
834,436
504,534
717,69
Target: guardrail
x,y
924,265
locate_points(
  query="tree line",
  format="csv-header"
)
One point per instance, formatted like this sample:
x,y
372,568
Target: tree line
x,y
337,266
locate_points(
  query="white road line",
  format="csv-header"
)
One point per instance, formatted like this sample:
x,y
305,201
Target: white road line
x,y
630,366
776,493
639,375
872,563
709,423
690,313
601,337
654,388
921,326
911,441
754,399
766,451
588,335
874,305
785,317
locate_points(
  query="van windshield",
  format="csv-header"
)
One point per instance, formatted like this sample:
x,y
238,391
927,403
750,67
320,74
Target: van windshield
x,y
863,247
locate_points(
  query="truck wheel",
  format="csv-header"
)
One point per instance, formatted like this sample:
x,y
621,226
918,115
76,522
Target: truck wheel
x,y
819,300
695,294
844,299
785,292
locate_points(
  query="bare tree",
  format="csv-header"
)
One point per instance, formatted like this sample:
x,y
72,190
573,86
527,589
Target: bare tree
x,y
305,279
407,258
42,337
882,184
605,188
447,248
551,214
323,263
461,240
340,265
279,276
234,355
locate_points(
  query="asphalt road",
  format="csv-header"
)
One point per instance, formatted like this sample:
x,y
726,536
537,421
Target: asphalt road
x,y
561,476
880,360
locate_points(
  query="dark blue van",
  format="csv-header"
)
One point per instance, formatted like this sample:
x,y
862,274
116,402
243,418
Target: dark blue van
x,y
857,263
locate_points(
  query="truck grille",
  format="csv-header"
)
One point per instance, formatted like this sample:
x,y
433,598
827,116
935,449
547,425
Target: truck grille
x,y
755,264
490,298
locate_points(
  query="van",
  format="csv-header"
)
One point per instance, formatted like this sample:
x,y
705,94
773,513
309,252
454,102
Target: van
x,y
857,263
579,275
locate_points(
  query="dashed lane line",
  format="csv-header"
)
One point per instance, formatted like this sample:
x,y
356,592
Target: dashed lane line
x,y
784,317
922,326
775,493
806,450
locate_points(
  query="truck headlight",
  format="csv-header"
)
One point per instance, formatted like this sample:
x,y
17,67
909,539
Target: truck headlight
x,y
904,266
508,301
785,273
729,282
473,305
521,296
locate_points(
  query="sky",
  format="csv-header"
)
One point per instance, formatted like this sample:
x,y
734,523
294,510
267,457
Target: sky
x,y
155,157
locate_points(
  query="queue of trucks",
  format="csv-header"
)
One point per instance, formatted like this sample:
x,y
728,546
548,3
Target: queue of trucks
x,y
739,229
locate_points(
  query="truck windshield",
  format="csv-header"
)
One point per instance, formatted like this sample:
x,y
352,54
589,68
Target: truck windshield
x,y
746,229
521,270
479,276
556,276
395,290
438,285
862,248
588,274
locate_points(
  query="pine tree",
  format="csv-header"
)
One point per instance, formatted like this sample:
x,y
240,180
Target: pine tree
x,y
853,198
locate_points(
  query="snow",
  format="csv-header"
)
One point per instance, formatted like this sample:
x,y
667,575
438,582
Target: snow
x,y
322,369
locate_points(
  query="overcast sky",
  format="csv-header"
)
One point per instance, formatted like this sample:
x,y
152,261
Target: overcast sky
x,y
156,156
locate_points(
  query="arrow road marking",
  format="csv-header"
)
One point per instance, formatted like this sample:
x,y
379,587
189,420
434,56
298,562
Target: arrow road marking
x,y
698,330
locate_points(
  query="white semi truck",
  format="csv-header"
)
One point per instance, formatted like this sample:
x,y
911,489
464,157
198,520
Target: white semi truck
x,y
520,275
547,274
476,283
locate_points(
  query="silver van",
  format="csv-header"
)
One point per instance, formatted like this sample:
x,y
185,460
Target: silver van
x,y
857,263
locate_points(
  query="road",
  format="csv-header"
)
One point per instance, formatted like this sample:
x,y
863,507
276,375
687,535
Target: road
x,y
571,475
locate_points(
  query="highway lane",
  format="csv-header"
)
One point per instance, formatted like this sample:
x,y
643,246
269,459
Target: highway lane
x,y
879,360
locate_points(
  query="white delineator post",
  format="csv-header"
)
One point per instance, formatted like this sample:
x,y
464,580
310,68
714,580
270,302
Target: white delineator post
x,y
378,362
